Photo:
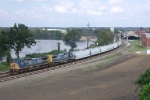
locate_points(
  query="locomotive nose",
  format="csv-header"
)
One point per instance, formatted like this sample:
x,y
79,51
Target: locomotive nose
x,y
14,66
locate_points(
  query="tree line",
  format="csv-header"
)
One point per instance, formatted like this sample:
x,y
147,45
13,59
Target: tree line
x,y
45,34
19,36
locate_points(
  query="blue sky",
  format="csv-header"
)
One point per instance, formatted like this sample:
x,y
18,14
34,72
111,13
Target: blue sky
x,y
75,13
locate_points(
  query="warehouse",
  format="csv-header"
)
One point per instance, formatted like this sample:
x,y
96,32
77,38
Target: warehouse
x,y
146,39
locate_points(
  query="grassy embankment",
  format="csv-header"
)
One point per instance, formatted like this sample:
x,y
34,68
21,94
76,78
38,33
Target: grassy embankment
x,y
137,47
4,66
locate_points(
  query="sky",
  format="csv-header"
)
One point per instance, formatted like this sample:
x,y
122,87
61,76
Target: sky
x,y
75,13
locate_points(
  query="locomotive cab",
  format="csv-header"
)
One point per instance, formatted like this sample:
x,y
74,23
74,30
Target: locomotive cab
x,y
17,65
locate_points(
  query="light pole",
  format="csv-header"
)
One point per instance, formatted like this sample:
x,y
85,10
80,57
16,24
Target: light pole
x,y
88,35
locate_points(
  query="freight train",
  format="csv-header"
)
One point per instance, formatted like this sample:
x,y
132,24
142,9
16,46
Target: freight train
x,y
28,64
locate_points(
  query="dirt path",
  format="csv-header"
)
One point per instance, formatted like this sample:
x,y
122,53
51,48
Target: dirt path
x,y
109,81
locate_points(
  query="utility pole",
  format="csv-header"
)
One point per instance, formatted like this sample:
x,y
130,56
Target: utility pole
x,y
88,35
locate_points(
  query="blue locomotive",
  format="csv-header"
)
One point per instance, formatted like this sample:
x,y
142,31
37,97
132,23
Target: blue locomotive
x,y
28,64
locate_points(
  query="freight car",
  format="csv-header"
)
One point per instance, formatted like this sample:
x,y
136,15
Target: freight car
x,y
28,64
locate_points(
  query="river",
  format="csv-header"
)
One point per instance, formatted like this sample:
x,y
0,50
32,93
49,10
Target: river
x,y
45,46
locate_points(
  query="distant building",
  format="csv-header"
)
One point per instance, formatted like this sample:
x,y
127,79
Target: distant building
x,y
90,38
140,31
146,39
131,35
112,29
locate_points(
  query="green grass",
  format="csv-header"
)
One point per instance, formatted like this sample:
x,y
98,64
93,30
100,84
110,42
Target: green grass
x,y
4,66
135,42
90,68
112,56
137,46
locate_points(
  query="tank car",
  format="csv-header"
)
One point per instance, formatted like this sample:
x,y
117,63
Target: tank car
x,y
111,46
104,48
95,51
115,45
81,54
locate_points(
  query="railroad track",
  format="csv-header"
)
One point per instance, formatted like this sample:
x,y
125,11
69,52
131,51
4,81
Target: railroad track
x,y
6,77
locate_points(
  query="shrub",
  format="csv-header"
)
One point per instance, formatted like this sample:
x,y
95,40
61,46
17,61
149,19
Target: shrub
x,y
143,79
4,66
145,94
34,55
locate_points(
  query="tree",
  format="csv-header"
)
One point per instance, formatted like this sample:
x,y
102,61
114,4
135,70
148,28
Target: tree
x,y
116,31
58,44
4,40
71,38
20,37
9,58
104,37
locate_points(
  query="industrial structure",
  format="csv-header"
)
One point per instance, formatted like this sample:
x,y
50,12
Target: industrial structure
x,y
146,39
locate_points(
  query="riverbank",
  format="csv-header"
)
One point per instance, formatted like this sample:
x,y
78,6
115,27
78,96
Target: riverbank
x,y
45,46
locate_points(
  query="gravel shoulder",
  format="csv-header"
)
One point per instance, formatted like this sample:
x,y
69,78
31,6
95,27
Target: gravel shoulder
x,y
93,80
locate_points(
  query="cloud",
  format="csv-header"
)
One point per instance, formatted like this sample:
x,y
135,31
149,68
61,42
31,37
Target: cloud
x,y
92,12
64,7
46,8
3,13
31,0
114,1
28,14
88,4
17,0
76,11
116,10
61,9
94,8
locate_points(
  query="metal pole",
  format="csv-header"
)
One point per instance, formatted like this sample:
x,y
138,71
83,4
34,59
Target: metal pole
x,y
127,39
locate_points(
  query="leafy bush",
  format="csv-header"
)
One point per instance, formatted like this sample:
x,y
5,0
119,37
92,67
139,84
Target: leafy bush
x,y
144,83
4,66
145,94
34,55
143,79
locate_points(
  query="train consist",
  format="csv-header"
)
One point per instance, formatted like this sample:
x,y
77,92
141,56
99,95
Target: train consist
x,y
28,64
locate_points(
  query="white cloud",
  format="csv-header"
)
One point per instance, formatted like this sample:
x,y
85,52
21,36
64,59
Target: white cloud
x,y
76,11
92,12
88,4
93,7
18,0
64,7
28,14
46,8
114,1
37,16
32,0
61,9
116,10
3,13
